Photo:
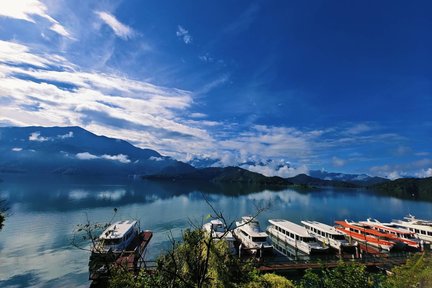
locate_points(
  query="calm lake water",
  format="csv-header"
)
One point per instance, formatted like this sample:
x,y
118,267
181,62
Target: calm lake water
x,y
35,244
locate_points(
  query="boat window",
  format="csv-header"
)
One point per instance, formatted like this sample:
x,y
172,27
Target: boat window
x,y
259,239
429,233
308,239
339,237
110,242
417,231
244,233
423,232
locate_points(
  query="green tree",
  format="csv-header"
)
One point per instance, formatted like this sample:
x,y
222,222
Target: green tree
x,y
417,272
344,275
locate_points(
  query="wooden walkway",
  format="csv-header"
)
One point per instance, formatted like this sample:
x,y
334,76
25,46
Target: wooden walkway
x,y
270,266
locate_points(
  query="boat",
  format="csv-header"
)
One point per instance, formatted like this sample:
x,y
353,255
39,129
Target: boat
x,y
296,236
365,234
252,238
402,235
328,235
423,228
117,236
122,244
218,231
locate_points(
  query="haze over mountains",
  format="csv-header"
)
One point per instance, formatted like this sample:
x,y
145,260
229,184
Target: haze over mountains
x,y
73,150
76,151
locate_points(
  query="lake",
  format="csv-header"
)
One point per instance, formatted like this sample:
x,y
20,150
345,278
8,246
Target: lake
x,y
35,244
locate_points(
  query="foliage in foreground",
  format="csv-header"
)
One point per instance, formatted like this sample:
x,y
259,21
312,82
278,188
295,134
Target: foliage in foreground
x,y
417,272
346,274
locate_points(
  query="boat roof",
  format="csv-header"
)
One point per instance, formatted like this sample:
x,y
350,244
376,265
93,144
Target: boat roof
x,y
363,227
117,229
291,227
388,227
216,222
252,228
323,227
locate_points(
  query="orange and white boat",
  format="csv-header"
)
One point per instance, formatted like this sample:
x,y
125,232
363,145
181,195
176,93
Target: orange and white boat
x,y
395,233
365,234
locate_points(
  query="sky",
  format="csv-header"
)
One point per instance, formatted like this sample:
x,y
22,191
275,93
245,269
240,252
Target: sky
x,y
277,87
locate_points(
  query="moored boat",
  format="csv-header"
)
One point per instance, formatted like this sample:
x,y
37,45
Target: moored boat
x,y
399,234
116,237
423,228
328,235
122,244
296,236
252,238
364,234
218,231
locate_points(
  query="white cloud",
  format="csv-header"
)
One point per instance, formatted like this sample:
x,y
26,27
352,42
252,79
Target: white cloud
x,y
184,34
35,136
88,156
338,162
153,158
16,149
197,115
394,175
424,173
56,27
420,168
120,29
66,136
284,171
26,9
120,157
359,128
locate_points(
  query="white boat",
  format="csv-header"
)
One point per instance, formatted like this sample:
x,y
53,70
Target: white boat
x,y
328,235
249,233
295,235
423,228
117,237
218,231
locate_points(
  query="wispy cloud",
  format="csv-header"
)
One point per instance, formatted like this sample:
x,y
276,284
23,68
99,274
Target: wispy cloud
x,y
120,29
143,113
184,34
88,156
244,20
27,9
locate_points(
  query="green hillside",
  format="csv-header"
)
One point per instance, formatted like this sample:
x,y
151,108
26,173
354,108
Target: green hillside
x,y
414,188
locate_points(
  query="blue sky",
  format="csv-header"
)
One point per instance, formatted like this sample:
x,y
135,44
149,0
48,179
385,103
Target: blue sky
x,y
335,85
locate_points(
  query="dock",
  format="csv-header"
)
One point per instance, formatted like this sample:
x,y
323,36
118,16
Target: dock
x,y
269,265
128,259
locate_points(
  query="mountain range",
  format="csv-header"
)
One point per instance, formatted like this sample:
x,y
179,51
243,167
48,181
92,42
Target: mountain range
x,y
76,151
